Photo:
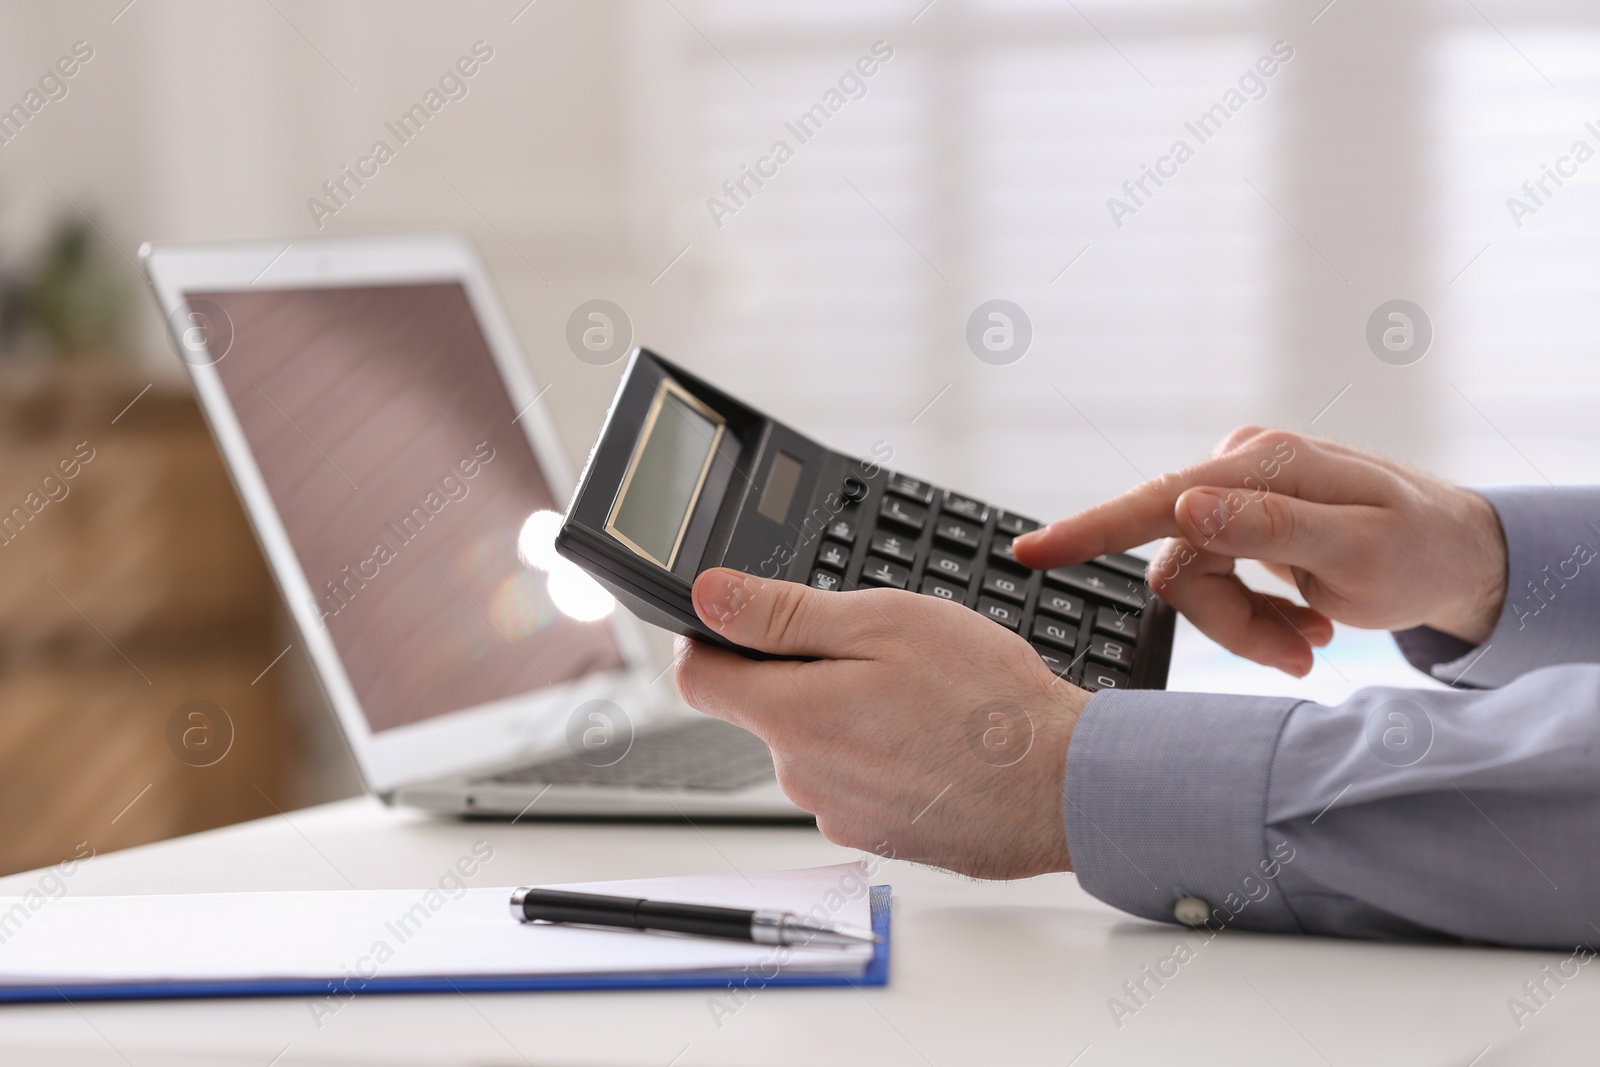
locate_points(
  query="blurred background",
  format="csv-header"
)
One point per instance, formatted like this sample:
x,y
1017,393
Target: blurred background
x,y
1400,151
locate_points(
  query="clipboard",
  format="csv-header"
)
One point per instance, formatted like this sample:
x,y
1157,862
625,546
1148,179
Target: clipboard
x,y
874,973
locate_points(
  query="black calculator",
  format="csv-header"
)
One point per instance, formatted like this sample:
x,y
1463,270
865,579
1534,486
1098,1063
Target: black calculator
x,y
684,478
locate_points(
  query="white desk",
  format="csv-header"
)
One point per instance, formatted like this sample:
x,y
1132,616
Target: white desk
x,y
1013,973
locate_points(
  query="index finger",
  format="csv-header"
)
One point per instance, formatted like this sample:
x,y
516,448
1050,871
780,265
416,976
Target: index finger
x,y
1270,462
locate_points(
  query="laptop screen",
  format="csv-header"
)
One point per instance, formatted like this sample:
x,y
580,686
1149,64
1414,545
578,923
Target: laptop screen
x,y
417,509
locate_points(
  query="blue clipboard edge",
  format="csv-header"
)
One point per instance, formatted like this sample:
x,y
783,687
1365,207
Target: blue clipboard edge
x,y
876,973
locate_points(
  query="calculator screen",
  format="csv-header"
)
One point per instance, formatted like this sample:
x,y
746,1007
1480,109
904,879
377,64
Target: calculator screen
x,y
666,474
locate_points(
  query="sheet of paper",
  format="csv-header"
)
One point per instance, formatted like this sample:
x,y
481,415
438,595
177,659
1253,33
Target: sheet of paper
x,y
402,932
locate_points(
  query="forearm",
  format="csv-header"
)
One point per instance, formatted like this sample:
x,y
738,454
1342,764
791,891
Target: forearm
x,y
1396,814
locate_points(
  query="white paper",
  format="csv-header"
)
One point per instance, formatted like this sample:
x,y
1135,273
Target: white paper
x,y
348,935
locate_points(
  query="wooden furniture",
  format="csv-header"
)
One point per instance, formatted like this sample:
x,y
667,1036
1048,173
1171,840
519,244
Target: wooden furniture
x,y
127,591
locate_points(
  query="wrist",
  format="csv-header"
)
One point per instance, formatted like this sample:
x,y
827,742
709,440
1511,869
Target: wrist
x,y
1067,702
1472,616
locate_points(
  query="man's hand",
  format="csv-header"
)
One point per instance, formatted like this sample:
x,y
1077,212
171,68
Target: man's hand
x,y
1368,542
923,731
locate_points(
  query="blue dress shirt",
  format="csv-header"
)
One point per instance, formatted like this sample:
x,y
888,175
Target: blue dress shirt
x,y
1471,813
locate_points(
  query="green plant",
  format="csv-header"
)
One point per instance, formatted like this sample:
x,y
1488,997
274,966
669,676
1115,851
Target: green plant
x,y
72,295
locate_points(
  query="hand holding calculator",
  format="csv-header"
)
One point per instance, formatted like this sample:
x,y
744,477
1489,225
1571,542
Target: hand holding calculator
x,y
684,478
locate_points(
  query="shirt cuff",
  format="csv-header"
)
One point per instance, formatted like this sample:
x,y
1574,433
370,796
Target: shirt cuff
x,y
1552,608
1426,648
1166,799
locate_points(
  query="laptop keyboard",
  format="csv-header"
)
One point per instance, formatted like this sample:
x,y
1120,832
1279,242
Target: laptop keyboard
x,y
704,754
1083,620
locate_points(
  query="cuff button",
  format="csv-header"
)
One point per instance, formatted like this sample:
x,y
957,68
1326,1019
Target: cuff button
x,y
1191,911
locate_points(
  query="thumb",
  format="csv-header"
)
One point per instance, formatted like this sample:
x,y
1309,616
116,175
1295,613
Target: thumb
x,y
782,618
1273,527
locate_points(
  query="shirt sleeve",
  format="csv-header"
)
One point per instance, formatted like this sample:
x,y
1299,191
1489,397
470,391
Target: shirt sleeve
x,y
1397,814
1552,607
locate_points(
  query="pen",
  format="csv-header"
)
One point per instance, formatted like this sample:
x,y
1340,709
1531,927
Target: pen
x,y
636,913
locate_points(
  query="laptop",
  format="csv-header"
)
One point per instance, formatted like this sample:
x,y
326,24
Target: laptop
x,y
396,457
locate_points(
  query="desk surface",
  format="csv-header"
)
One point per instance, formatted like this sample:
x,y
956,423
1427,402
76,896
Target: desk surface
x,y
1015,973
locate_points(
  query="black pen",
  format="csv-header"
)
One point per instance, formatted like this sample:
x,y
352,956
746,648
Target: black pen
x,y
636,913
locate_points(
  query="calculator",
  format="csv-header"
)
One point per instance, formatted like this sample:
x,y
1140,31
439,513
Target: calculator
x,y
684,478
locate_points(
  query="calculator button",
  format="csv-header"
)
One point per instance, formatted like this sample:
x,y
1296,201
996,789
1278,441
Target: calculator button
x,y
1054,632
952,531
1061,605
1096,678
842,530
944,590
1125,565
881,572
1117,623
1005,584
1102,584
1007,615
1058,663
825,580
1107,650
834,555
895,546
946,565
855,490
967,508
1000,549
903,513
921,492
1014,525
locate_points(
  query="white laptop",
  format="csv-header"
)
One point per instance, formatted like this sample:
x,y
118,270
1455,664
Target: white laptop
x,y
395,454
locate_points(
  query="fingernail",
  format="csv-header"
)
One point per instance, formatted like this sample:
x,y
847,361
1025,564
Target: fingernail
x,y
1207,511
720,594
1029,539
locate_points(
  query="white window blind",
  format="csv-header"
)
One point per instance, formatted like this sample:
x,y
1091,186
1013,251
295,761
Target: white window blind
x,y
977,166
1524,318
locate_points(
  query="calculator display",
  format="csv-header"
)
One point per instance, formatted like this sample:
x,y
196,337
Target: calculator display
x,y
666,474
